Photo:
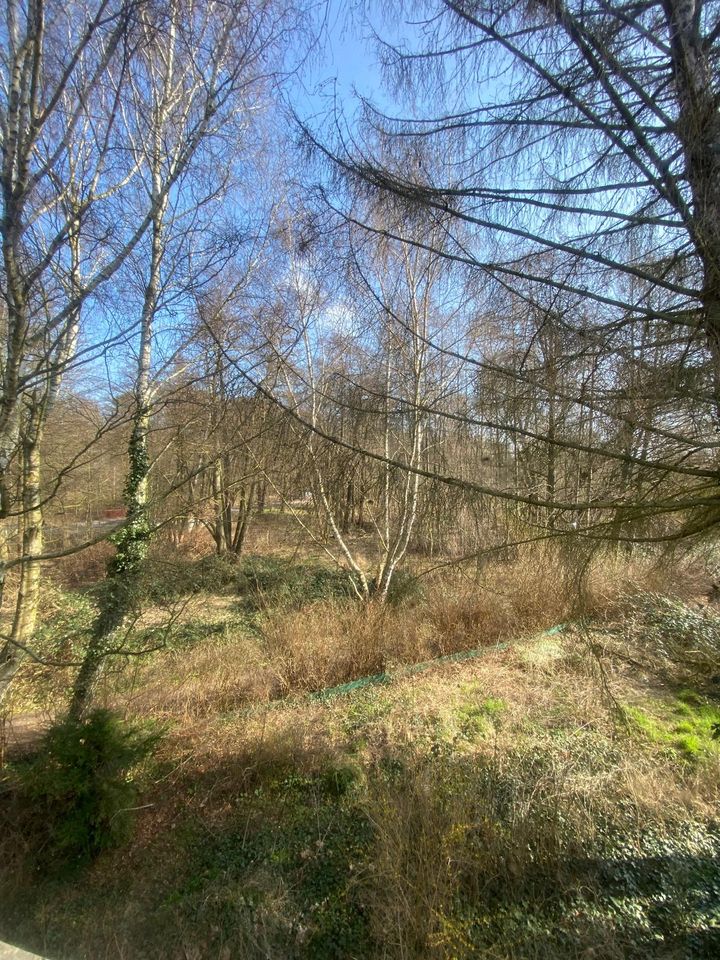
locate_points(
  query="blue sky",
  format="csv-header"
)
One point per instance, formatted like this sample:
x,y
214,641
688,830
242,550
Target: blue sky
x,y
347,61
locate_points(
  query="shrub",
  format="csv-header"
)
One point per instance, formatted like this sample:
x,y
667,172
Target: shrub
x,y
405,588
77,570
164,580
275,582
262,581
66,618
80,785
674,632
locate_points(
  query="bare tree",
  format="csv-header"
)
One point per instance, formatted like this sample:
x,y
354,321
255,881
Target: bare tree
x,y
199,72
64,183
572,157
360,374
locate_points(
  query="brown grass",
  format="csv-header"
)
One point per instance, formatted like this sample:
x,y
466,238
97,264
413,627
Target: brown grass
x,y
214,677
506,816
490,810
327,643
85,567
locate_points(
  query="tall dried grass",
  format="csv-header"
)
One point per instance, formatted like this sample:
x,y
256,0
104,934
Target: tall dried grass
x,y
330,642
214,677
504,834
85,567
487,840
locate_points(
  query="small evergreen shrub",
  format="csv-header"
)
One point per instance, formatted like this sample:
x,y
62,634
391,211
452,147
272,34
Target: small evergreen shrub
x,y
675,632
164,581
80,785
265,582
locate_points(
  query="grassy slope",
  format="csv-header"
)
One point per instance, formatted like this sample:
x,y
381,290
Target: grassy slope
x,y
537,802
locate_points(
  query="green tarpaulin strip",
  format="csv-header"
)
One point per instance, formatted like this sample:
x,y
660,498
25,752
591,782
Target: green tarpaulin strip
x,y
377,679
380,678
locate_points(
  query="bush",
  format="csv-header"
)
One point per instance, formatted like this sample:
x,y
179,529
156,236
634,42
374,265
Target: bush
x,y
80,785
262,581
164,581
405,588
88,566
272,581
66,619
674,632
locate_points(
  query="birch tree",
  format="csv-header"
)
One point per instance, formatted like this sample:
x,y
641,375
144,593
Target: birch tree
x,y
64,181
357,343
199,75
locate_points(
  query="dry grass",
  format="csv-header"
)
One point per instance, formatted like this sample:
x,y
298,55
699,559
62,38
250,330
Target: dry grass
x,y
487,792
330,642
464,811
531,808
214,677
545,585
82,568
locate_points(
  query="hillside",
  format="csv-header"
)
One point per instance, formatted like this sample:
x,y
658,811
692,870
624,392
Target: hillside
x,y
549,794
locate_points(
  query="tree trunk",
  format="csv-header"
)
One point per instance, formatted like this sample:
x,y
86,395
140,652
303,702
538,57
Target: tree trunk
x,y
698,128
27,603
124,570
243,521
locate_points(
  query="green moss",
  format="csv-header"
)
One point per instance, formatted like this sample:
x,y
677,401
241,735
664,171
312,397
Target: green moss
x,y
647,724
688,724
477,719
685,727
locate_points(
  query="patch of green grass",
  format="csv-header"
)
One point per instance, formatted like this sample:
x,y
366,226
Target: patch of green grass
x,y
364,711
648,725
689,724
477,719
